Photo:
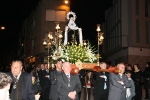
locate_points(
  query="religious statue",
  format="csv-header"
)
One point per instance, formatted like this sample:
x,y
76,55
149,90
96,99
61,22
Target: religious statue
x,y
71,30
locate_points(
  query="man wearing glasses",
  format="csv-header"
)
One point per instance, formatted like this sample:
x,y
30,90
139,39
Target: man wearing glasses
x,y
21,88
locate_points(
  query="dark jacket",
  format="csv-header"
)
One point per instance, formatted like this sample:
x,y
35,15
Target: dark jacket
x,y
146,75
36,87
62,86
53,90
27,88
100,82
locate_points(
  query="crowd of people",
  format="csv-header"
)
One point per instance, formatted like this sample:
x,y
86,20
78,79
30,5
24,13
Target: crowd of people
x,y
59,84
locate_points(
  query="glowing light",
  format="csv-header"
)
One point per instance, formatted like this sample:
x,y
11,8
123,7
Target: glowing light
x,y
2,27
66,2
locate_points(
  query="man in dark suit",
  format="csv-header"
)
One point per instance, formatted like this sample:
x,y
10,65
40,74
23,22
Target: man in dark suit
x,y
44,81
41,75
53,78
118,84
81,75
68,86
21,89
101,84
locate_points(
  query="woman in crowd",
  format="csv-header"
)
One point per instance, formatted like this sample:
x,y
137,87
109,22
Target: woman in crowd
x,y
137,77
146,75
36,85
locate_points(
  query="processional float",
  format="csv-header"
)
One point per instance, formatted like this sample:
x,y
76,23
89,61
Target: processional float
x,y
75,50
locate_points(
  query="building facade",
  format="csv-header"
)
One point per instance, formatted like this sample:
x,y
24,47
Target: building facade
x,y
127,32
37,26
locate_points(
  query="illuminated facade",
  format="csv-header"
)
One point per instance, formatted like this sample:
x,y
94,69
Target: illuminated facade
x,y
127,32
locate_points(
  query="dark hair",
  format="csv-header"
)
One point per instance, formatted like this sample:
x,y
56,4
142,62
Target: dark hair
x,y
148,64
58,60
17,61
129,65
137,66
102,63
4,80
128,72
34,74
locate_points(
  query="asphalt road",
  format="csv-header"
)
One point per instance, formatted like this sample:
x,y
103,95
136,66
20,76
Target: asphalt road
x,y
93,98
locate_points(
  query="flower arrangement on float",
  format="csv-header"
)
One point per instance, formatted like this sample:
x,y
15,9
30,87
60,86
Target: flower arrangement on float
x,y
74,52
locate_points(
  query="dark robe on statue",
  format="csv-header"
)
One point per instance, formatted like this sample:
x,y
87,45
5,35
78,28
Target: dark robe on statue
x,y
70,36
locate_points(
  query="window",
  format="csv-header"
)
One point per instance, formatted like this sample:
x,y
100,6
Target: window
x,y
146,8
137,31
137,7
55,15
119,34
32,44
148,32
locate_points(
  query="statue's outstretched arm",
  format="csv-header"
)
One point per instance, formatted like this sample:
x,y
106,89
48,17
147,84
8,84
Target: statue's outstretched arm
x,y
66,35
80,36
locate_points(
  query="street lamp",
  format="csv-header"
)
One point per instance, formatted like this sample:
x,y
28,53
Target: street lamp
x,y
48,43
66,1
53,39
100,39
2,28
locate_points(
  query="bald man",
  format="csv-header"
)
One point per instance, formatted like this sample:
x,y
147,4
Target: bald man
x,y
68,85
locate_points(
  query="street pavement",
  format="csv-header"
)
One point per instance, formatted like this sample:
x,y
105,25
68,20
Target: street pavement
x,y
82,94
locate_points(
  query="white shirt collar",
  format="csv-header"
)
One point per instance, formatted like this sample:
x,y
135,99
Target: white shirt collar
x,y
67,74
18,75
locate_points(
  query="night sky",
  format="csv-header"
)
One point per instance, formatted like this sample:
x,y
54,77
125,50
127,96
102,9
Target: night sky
x,y
14,12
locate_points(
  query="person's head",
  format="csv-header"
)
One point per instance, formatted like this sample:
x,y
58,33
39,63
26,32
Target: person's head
x,y
5,81
16,67
34,75
129,67
103,65
58,64
136,67
128,74
66,67
42,66
89,73
121,67
148,64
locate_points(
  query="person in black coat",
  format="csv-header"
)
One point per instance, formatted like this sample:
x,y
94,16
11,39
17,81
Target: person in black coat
x,y
101,84
44,78
137,78
146,75
21,88
36,85
53,78
81,75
